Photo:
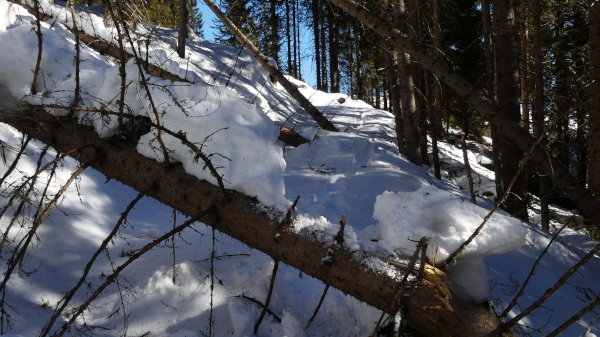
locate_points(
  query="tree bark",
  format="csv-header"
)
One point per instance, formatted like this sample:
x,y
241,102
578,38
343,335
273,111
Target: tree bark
x,y
272,69
334,53
538,107
489,67
182,29
431,309
410,116
436,88
316,35
594,97
507,93
288,38
477,100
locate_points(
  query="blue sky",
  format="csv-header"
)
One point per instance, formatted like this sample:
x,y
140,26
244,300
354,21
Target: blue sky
x,y
308,67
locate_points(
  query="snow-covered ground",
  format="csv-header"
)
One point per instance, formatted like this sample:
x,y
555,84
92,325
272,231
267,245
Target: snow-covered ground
x,y
230,110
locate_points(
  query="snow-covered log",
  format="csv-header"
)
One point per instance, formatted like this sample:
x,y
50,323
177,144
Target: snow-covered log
x,y
431,309
287,136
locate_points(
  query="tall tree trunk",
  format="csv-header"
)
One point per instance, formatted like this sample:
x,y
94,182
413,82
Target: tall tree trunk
x,y
183,28
562,91
274,38
576,192
298,44
524,42
594,99
436,88
316,35
288,38
295,39
486,20
391,58
538,106
334,50
410,116
324,79
507,99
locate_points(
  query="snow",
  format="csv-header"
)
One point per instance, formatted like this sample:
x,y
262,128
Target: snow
x,y
239,139
448,219
230,110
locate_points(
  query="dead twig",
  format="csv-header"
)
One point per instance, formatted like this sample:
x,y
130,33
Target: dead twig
x,y
112,277
563,279
532,271
575,317
268,300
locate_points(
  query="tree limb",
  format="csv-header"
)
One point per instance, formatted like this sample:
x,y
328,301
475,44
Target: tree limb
x,y
432,309
272,69
520,137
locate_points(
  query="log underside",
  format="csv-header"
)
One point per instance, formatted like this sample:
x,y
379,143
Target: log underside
x,y
432,309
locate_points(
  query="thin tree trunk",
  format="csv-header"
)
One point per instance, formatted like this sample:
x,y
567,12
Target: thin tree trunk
x,y
436,89
324,78
525,62
288,38
295,39
587,204
298,44
272,69
538,106
593,170
334,68
507,99
469,171
489,66
182,33
316,36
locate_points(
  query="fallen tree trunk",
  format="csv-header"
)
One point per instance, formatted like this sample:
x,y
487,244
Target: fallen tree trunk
x,y
431,309
520,137
287,136
272,69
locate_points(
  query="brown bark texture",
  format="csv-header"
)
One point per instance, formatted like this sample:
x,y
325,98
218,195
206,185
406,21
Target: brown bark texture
x,y
507,98
594,97
431,308
520,137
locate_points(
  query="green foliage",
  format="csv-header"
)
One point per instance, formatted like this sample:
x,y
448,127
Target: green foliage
x,y
165,13
240,13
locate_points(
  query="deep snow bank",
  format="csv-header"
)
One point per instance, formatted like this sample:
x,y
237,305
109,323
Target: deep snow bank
x,y
237,136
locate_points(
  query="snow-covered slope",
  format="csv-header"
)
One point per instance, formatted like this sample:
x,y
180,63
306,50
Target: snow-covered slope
x,y
231,110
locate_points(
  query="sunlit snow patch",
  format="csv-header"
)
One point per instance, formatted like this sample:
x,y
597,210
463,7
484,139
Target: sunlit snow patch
x,y
447,219
238,137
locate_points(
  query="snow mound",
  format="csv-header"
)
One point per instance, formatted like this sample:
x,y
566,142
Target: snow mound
x,y
239,139
447,219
